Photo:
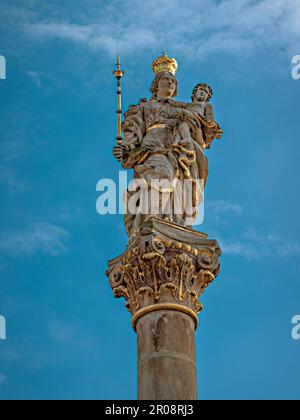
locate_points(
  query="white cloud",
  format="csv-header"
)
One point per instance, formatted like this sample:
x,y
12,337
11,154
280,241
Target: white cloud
x,y
219,207
61,30
238,248
34,75
95,36
196,30
254,245
39,237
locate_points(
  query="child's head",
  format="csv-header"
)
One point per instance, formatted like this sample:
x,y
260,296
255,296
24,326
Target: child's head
x,y
202,93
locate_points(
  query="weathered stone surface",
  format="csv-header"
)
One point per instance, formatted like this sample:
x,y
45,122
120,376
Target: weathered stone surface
x,y
166,351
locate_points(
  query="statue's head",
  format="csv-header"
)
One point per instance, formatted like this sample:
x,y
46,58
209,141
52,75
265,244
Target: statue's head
x,y
164,86
202,93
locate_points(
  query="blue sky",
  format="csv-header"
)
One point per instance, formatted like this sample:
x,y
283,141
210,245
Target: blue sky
x,y
67,337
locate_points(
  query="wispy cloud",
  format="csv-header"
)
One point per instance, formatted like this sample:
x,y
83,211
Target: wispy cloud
x,y
221,207
254,245
61,332
12,147
39,237
95,36
16,128
35,77
10,180
64,333
200,28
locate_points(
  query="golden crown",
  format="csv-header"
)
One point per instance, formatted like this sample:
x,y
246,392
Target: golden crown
x,y
164,63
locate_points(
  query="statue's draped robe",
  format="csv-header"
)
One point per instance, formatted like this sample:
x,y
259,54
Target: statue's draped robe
x,y
149,135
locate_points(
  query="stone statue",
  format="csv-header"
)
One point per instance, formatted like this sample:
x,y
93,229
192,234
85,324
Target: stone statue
x,y
167,265
164,140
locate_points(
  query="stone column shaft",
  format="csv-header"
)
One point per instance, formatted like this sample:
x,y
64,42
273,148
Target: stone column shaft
x,y
166,356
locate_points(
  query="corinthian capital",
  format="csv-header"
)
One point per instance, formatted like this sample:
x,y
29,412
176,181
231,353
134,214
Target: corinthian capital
x,y
165,266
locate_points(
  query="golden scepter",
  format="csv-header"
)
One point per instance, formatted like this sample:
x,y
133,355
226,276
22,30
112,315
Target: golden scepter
x,y
119,74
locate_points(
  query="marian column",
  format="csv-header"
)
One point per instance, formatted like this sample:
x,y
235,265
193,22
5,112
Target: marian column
x,y
167,265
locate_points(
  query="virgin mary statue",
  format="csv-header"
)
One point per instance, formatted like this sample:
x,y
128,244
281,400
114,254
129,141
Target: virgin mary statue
x,y
162,155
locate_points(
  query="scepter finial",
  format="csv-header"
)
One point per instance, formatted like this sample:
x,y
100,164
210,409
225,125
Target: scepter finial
x,y
118,72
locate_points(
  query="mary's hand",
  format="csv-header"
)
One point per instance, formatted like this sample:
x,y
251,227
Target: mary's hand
x,y
120,152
